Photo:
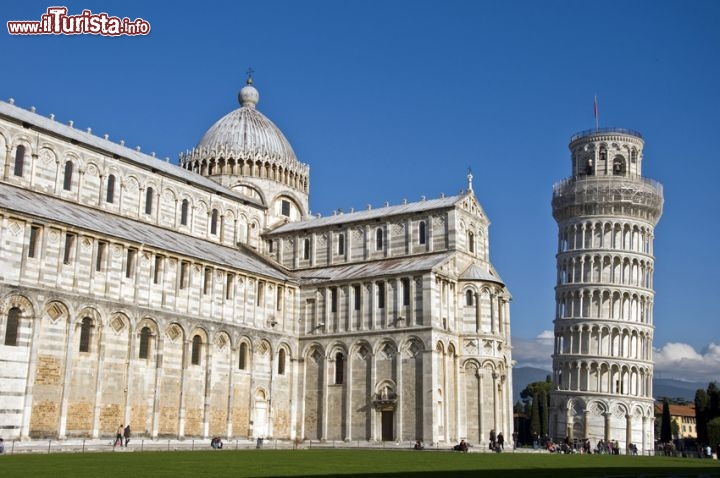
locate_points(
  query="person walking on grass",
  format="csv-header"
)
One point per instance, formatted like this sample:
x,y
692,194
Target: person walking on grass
x,y
119,437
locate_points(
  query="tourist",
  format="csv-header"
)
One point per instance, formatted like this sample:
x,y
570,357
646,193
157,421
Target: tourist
x,y
126,434
462,446
119,436
500,441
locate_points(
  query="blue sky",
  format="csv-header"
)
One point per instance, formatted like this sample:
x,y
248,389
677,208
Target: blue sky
x,y
393,100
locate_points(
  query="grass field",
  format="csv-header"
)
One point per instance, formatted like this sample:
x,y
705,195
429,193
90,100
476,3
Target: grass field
x,y
351,463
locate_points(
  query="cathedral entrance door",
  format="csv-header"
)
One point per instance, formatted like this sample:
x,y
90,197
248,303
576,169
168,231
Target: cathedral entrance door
x,y
388,419
260,421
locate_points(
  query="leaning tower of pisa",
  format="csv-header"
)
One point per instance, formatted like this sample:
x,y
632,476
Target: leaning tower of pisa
x,y
606,213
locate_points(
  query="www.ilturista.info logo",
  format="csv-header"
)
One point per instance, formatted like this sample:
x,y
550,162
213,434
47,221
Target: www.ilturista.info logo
x,y
57,22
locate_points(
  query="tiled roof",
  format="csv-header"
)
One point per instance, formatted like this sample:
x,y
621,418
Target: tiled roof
x,y
368,214
478,272
383,267
89,219
131,155
676,410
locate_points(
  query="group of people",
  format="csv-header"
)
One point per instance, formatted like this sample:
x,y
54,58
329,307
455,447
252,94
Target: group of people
x,y
462,446
122,437
497,441
610,447
216,443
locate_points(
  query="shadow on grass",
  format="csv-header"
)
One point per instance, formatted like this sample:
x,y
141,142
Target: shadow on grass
x,y
648,472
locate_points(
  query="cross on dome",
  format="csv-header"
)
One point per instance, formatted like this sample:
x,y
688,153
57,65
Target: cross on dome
x,y
249,96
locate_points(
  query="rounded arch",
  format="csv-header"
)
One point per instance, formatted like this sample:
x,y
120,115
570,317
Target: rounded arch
x,y
221,340
169,193
361,348
89,311
175,332
247,189
335,348
412,345
264,348
201,331
22,302
56,309
386,388
386,347
245,352
148,322
119,322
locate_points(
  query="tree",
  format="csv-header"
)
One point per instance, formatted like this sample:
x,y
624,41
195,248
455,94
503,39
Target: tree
x,y
713,393
701,404
713,427
543,409
537,395
535,427
665,430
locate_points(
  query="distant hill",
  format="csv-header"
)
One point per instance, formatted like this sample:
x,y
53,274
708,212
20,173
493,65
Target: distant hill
x,y
673,388
662,387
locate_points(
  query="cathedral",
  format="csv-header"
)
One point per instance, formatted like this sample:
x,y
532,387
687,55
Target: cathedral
x,y
203,299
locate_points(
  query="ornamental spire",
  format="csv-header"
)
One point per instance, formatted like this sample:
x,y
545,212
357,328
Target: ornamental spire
x,y
249,96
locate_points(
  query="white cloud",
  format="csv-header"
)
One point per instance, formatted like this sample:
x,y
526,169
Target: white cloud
x,y
546,335
534,352
682,361
673,360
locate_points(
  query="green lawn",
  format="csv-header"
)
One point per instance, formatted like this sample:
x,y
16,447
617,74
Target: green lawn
x,y
352,463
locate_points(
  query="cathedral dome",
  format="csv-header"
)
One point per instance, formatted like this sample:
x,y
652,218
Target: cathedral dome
x,y
246,144
247,132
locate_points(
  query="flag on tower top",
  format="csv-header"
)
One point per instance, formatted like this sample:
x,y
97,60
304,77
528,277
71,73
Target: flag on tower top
x,y
595,111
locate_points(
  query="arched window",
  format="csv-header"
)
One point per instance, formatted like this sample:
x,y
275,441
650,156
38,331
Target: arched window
x,y
339,368
341,244
197,341
619,166
13,324
214,221
184,212
469,298
306,249
67,178
110,194
471,241
149,196
144,342
281,362
242,360
19,160
85,334
421,232
379,239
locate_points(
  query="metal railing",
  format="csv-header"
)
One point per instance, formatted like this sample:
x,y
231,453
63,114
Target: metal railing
x,y
584,181
591,132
